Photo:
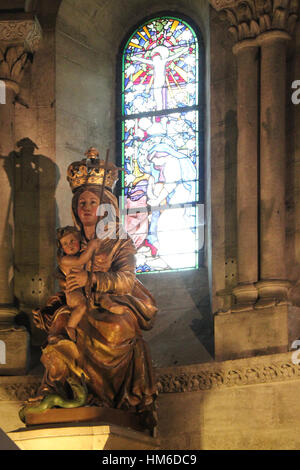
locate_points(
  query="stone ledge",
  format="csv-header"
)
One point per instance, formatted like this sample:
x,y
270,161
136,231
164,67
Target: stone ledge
x,y
83,438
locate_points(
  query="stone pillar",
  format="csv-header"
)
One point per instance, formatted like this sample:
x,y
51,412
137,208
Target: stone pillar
x,y
251,326
6,215
246,52
19,37
273,284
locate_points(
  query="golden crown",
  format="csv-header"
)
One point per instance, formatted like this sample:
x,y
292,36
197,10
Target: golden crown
x,y
90,170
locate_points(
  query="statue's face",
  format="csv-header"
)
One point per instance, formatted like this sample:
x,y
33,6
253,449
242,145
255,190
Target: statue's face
x,y
70,244
87,207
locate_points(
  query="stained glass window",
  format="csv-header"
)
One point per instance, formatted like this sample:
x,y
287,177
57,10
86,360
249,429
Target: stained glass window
x,y
160,143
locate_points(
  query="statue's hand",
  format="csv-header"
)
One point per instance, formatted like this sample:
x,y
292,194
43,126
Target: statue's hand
x,y
76,279
38,319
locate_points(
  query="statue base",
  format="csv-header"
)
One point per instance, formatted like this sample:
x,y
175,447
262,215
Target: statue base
x,y
85,414
82,437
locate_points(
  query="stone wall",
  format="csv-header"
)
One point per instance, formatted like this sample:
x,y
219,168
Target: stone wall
x,y
35,177
245,404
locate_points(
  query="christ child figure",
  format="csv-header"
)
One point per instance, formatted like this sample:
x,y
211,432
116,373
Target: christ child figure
x,y
69,257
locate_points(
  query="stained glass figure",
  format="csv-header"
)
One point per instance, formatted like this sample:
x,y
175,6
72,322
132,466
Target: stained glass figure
x,y
160,148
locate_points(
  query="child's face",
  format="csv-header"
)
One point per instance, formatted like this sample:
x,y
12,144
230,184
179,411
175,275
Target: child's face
x,y
70,244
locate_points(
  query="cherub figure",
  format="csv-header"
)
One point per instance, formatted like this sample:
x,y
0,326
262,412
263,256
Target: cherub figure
x,y
69,257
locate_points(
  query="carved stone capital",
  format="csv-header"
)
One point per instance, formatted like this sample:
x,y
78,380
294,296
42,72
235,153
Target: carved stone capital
x,y
12,63
249,18
19,37
24,31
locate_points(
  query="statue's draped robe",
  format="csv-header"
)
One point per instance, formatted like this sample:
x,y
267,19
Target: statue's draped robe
x,y
109,350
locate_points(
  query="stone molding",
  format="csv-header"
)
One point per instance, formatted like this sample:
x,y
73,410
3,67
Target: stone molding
x,y
258,295
19,388
192,378
249,18
222,375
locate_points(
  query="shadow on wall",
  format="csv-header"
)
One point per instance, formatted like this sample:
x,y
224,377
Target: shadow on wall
x,y
203,327
33,179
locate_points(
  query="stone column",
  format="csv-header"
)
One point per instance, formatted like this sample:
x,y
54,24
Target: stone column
x,y
6,215
253,327
273,285
19,37
246,52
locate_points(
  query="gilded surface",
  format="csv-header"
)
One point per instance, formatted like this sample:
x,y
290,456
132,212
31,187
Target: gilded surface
x,y
109,351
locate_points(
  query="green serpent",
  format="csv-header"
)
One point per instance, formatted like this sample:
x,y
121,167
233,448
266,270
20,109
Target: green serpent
x,y
52,400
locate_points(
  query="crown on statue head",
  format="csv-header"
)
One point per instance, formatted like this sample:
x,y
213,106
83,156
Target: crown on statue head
x,y
91,170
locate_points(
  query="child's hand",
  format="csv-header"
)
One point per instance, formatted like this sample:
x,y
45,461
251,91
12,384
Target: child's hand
x,y
94,244
38,319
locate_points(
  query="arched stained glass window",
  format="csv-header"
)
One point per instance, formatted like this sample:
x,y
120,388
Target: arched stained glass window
x,y
160,143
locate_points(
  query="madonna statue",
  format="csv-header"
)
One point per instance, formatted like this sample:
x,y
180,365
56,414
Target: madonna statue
x,y
106,350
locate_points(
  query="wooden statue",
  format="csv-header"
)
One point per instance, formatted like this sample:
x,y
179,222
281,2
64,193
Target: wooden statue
x,y
97,358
